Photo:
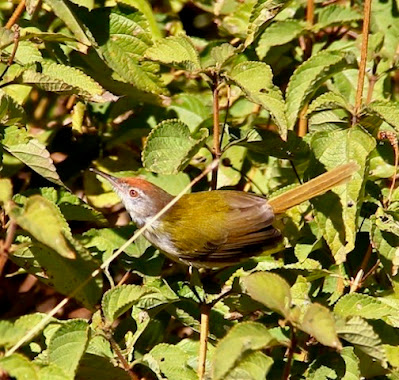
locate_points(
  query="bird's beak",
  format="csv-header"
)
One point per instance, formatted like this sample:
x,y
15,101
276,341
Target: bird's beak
x,y
110,178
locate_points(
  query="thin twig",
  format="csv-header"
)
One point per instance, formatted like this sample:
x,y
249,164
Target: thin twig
x,y
122,359
16,15
39,326
216,130
291,350
204,332
14,51
303,122
363,60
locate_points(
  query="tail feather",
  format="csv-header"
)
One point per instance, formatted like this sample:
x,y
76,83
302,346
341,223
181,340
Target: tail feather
x,y
313,188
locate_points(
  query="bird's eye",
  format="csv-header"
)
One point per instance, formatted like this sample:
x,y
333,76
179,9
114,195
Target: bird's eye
x,y
133,193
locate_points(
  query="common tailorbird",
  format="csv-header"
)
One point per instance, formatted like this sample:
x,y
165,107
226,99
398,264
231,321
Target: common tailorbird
x,y
213,229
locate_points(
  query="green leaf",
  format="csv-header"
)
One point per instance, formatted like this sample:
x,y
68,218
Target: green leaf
x,y
254,366
256,81
65,275
177,51
122,47
5,191
358,332
319,322
44,221
10,334
144,6
336,15
352,370
53,372
11,113
271,290
35,155
89,4
19,367
327,101
68,344
169,147
262,13
387,244
93,367
279,33
78,116
309,76
172,362
338,223
386,111
233,350
63,11
120,299
64,79
363,306
190,109
220,55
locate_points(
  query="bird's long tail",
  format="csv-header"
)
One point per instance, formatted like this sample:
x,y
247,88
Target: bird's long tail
x,y
313,188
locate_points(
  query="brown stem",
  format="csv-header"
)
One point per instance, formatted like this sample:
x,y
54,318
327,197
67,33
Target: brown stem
x,y
393,140
5,246
357,283
291,350
303,122
363,60
122,359
70,102
216,130
124,278
205,310
310,12
16,15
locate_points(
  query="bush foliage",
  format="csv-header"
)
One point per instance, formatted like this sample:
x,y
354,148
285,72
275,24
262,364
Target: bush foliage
x,y
140,89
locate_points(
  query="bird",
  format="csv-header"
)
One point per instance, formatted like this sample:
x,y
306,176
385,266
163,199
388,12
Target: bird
x,y
217,228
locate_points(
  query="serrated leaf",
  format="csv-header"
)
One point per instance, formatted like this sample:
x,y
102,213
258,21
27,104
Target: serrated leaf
x,y
93,367
271,290
172,362
308,77
338,224
63,11
358,332
11,113
6,37
255,79
64,79
123,46
44,221
27,52
326,101
177,51
263,12
279,33
169,147
10,334
120,299
65,275
319,322
221,54
352,370
236,345
35,155
363,306
19,367
68,344
387,111
336,15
